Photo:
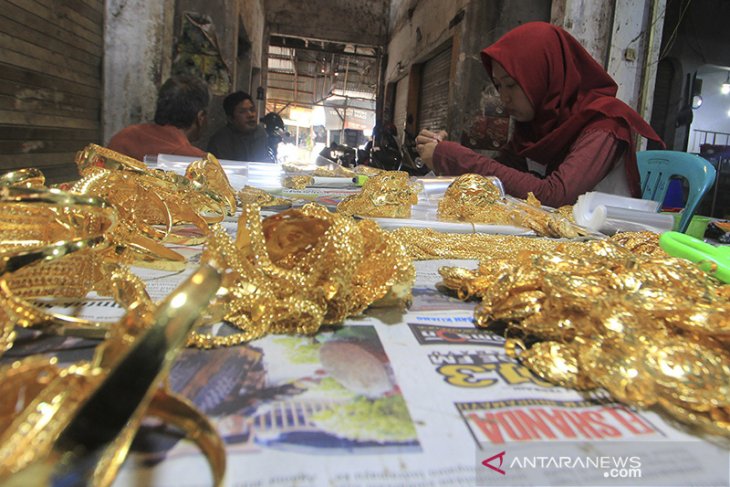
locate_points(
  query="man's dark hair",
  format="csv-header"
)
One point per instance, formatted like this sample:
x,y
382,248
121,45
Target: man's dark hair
x,y
180,99
230,102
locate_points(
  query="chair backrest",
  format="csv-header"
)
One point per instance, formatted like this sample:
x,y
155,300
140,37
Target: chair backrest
x,y
657,167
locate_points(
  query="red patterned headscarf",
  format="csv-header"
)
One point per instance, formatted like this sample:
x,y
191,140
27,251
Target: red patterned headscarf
x,y
569,91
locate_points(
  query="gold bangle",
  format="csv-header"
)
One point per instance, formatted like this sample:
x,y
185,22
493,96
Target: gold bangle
x,y
146,199
125,287
27,178
53,197
97,156
13,261
30,216
50,436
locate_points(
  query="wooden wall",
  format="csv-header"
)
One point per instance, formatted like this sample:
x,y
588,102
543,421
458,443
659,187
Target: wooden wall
x,y
50,83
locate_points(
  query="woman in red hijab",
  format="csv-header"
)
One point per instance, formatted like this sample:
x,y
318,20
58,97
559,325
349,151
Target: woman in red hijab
x,y
569,126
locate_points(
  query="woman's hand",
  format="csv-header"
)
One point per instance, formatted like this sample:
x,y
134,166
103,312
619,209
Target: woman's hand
x,y
426,142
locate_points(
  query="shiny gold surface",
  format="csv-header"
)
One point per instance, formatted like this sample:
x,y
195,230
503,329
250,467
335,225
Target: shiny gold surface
x,y
250,195
153,203
51,409
24,178
387,194
617,314
428,244
59,244
477,199
298,182
211,177
300,269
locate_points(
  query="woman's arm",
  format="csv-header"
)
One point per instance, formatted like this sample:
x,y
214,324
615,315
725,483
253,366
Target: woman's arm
x,y
589,160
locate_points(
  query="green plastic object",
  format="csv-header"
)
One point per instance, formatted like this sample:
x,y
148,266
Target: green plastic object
x,y
359,180
715,260
697,226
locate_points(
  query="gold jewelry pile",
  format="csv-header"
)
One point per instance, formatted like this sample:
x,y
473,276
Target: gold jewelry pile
x,y
151,204
388,194
212,181
476,199
297,182
650,329
250,195
289,273
61,244
428,244
68,238
617,314
300,269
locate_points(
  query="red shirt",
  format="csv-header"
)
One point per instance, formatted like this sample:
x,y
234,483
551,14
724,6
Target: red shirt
x,y
151,139
588,162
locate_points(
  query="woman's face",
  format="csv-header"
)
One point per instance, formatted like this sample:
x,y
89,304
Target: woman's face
x,y
513,98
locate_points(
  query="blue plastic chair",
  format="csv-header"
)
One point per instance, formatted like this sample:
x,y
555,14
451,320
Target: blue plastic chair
x,y
656,169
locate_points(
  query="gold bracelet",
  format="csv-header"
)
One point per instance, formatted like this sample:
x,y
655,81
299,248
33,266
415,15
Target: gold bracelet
x,y
151,199
25,178
33,273
30,216
58,408
97,156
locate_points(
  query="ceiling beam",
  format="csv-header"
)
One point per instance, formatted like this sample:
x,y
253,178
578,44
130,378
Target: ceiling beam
x,y
319,46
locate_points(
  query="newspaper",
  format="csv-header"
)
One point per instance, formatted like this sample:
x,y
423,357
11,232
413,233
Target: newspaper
x,y
394,397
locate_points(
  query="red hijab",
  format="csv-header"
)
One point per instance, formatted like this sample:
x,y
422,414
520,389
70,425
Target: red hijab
x,y
569,91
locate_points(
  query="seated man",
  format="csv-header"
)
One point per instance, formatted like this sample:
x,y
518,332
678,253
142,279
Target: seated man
x,y
180,118
242,139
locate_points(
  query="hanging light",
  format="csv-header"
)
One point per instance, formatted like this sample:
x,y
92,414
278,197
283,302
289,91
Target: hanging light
x,y
725,88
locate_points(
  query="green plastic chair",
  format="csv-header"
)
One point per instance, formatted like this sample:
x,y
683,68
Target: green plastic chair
x,y
656,169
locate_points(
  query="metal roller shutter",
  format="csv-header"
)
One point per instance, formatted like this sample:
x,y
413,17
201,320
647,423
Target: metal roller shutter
x,y
401,106
433,101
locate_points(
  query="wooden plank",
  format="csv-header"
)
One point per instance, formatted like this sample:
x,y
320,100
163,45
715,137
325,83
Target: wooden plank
x,y
97,5
14,74
16,82
45,56
50,83
93,15
17,118
56,14
11,57
22,132
45,99
95,28
52,30
34,102
64,14
15,27
39,146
